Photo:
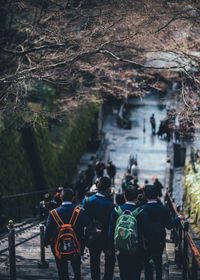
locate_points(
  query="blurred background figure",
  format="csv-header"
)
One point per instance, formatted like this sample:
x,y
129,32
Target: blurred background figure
x,y
153,124
111,171
89,175
46,205
57,196
99,168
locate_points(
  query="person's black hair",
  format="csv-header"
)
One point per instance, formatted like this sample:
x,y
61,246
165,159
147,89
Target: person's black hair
x,y
131,193
120,200
104,183
67,194
151,192
146,181
135,181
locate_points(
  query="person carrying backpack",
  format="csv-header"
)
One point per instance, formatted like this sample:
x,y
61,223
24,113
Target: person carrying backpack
x,y
159,218
99,207
128,227
64,232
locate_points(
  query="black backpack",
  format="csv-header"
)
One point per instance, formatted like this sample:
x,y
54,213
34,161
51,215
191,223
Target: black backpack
x,y
94,231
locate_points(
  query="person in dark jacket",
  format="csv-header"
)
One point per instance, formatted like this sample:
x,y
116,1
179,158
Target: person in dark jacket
x,y
99,168
159,186
89,175
155,243
99,207
46,205
57,196
153,124
111,171
130,265
65,212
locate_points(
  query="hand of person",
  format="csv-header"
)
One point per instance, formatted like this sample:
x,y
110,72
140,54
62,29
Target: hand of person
x,y
181,217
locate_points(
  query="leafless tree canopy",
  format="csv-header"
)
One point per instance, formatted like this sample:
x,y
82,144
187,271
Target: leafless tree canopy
x,y
87,49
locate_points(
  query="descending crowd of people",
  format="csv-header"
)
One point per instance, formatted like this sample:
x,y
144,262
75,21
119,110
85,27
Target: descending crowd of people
x,y
131,231
128,228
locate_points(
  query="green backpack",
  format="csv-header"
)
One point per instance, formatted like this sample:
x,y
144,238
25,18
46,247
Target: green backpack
x,y
126,231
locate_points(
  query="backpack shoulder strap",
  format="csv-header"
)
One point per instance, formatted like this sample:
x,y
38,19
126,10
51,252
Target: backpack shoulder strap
x,y
56,217
137,212
86,203
118,210
75,215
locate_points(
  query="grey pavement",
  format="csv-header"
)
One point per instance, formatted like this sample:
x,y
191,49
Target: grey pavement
x,y
149,149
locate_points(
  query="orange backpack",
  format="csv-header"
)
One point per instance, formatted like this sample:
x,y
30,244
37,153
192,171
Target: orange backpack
x,y
67,244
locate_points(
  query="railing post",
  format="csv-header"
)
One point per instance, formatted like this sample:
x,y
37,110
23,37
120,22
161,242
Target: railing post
x,y
180,256
11,246
1,216
42,263
185,251
194,269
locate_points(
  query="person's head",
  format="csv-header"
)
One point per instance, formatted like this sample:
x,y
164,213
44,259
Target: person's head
x,y
151,192
146,182
120,200
110,162
127,176
67,195
47,197
131,193
104,184
60,189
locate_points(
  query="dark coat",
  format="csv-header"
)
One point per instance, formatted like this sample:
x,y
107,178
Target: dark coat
x,y
143,227
65,213
99,208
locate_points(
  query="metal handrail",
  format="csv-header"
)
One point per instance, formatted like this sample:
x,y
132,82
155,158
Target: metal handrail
x,y
183,240
27,194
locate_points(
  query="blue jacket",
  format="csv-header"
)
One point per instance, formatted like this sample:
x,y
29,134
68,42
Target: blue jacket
x,y
143,227
99,207
159,215
65,212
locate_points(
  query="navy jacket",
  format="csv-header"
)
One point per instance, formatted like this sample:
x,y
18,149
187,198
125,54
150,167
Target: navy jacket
x,y
159,214
99,207
65,213
143,227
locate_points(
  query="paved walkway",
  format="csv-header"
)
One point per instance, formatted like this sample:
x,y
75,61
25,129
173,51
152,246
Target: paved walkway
x,y
151,154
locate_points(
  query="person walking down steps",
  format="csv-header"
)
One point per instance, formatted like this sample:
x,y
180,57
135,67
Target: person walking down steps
x,y
99,207
111,171
153,124
100,167
65,233
155,242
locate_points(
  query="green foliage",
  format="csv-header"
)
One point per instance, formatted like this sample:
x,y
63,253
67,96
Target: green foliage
x,y
191,199
61,149
47,154
15,171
